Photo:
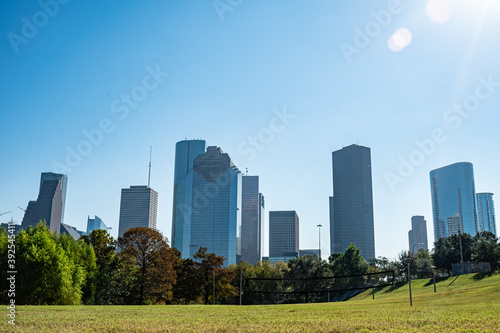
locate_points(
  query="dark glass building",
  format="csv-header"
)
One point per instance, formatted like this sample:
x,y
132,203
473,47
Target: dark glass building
x,y
418,234
351,207
49,206
486,212
214,205
185,153
453,200
252,211
138,208
283,234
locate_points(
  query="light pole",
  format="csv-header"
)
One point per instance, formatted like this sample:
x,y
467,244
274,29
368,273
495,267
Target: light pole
x,y
319,239
409,264
434,277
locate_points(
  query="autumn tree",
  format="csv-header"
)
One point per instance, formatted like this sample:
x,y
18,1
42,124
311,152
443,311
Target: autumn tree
x,y
148,251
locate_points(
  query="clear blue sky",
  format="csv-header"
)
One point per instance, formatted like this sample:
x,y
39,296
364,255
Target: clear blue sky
x,y
228,72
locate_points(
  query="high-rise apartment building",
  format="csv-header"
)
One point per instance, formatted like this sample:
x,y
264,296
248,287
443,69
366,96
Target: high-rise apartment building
x,y
95,224
252,211
417,236
453,200
283,234
138,208
185,153
213,206
49,206
351,207
486,212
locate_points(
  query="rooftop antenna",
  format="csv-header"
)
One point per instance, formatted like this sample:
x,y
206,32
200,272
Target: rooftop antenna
x,y
150,154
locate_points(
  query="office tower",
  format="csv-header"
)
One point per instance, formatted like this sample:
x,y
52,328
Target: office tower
x,y
252,209
185,153
486,212
138,208
214,205
418,234
95,224
49,206
453,200
283,234
351,207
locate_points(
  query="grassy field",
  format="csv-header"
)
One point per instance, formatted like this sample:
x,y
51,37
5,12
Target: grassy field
x,y
468,303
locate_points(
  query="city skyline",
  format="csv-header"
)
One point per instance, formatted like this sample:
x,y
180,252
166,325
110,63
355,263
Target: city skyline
x,y
278,96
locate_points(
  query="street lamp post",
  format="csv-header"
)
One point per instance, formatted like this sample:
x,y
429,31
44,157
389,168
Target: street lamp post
x,y
319,239
409,274
434,277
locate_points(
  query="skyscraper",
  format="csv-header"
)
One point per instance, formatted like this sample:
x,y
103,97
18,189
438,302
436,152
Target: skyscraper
x,y
185,153
453,200
252,206
138,208
418,234
49,206
95,224
351,207
214,205
283,233
486,212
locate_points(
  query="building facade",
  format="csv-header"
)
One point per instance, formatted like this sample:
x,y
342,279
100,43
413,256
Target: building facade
x,y
138,208
417,236
95,224
185,153
453,200
49,206
351,207
283,234
252,209
486,212
213,207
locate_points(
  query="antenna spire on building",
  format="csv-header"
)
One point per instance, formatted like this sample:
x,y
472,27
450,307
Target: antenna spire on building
x,y
150,155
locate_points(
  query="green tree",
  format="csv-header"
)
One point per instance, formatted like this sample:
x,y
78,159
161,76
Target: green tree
x,y
114,279
47,273
147,249
346,264
187,289
486,249
308,270
208,265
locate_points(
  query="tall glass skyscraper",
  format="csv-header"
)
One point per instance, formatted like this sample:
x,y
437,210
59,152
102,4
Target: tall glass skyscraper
x,y
486,212
454,200
252,209
138,208
214,205
49,206
185,153
351,207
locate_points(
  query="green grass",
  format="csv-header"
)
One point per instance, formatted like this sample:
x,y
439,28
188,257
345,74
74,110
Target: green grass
x,y
467,303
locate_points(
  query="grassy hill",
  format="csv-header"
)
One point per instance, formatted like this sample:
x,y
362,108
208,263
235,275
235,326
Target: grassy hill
x,y
468,303
464,289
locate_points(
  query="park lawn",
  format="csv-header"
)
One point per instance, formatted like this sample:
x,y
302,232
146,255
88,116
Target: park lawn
x,y
467,303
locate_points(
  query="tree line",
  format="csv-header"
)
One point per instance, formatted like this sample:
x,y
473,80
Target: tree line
x,y
141,268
